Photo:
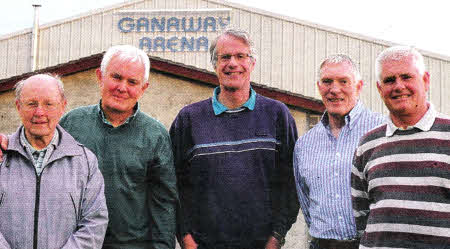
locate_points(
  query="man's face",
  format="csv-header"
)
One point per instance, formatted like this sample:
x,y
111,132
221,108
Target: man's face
x,y
338,88
403,89
40,106
233,66
122,85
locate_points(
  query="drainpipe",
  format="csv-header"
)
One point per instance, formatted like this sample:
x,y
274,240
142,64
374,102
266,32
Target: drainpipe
x,y
35,38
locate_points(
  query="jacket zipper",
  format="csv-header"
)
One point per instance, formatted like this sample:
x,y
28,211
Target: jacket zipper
x,y
36,210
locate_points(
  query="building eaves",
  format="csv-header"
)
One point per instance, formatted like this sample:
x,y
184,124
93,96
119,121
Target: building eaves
x,y
172,68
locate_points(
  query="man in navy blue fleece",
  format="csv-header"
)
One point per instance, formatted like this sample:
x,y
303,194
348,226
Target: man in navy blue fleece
x,y
233,158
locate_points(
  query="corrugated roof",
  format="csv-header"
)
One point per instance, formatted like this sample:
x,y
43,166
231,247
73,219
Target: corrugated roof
x,y
237,6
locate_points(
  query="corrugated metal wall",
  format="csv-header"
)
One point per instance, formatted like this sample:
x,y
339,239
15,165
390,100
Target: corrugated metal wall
x,y
289,50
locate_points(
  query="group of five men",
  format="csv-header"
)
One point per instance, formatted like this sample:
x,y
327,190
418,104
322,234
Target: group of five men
x,y
225,174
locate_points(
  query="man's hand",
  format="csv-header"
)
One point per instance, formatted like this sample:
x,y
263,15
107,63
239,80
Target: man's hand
x,y
189,242
273,243
3,145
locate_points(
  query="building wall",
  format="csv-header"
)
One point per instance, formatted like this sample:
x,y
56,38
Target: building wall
x,y
288,50
9,120
163,100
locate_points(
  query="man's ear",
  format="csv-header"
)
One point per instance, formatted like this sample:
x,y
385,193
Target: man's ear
x,y
426,80
145,86
98,72
359,86
379,87
64,103
17,105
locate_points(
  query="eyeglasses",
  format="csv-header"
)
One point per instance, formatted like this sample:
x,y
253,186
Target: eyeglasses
x,y
47,106
238,57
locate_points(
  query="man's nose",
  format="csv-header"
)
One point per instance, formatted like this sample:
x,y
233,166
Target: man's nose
x,y
334,87
233,61
399,84
122,86
40,110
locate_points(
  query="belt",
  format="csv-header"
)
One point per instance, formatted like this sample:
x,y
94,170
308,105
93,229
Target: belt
x,y
255,245
227,247
336,244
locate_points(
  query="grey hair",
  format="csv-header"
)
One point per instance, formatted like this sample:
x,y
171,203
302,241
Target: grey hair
x,y
337,59
126,52
19,85
398,53
237,33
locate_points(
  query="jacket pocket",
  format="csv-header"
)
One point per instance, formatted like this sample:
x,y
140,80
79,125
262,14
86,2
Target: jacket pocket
x,y
1,198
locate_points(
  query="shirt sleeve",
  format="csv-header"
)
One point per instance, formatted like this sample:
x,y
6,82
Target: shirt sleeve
x,y
93,222
360,199
163,195
300,184
285,205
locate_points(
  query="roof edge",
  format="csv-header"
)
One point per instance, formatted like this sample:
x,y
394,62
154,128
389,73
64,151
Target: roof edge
x,y
326,28
237,6
176,69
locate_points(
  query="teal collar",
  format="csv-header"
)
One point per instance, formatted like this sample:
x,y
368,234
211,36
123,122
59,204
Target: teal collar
x,y
219,108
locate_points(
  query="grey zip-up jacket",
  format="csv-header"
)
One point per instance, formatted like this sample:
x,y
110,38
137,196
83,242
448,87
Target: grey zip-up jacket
x,y
69,196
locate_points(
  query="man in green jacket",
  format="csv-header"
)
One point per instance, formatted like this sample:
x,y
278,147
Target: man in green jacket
x,y
134,154
133,151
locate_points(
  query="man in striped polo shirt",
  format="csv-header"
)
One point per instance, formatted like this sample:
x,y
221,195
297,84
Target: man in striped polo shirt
x,y
401,174
323,156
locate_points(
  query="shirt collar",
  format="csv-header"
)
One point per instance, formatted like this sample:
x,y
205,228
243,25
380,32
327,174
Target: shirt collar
x,y
219,108
350,118
136,108
26,144
424,124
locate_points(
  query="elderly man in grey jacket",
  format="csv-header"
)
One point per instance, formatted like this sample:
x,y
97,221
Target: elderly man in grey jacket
x,y
51,190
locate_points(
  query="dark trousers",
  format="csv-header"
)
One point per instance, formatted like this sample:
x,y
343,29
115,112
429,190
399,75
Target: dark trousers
x,y
254,245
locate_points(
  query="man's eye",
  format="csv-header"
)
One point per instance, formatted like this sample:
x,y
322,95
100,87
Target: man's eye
x,y
241,56
406,77
116,76
326,81
225,57
389,80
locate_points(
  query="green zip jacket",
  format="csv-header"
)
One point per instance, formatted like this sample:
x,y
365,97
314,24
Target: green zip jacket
x,y
140,184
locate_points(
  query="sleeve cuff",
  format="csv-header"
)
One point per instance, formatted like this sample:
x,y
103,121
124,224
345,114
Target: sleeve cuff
x,y
279,237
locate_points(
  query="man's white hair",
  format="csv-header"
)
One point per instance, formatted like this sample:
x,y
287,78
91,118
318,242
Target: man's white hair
x,y
126,52
398,53
19,85
337,59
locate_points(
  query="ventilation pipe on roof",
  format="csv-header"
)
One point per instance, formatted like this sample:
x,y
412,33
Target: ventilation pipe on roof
x,y
35,37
